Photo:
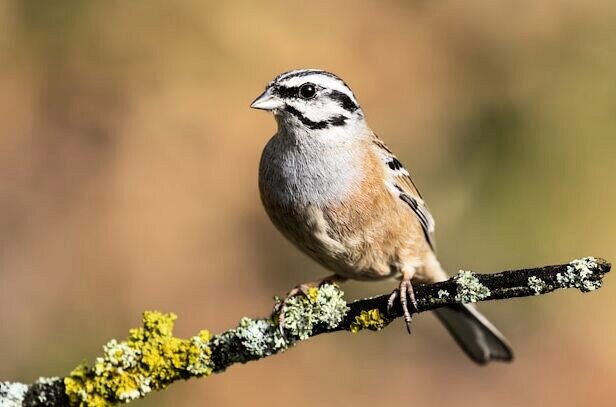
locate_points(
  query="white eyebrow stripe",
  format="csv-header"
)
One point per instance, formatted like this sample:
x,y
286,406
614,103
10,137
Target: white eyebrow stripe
x,y
301,72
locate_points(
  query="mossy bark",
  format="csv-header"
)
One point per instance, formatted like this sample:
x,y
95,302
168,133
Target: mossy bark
x,y
321,312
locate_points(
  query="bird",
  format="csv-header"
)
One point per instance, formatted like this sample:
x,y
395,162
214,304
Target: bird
x,y
335,190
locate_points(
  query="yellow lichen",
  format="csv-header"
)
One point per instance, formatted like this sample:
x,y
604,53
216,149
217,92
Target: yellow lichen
x,y
313,293
372,319
150,359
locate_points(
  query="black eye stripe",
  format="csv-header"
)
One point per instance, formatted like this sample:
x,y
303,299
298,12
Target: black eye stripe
x,y
286,92
290,92
344,100
339,120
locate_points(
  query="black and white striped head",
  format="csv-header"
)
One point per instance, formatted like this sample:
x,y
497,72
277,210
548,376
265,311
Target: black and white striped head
x,y
311,99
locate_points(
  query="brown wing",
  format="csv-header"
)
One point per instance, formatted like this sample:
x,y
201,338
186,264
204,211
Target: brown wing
x,y
407,191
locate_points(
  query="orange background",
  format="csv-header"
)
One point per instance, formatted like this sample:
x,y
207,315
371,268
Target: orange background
x,y
128,168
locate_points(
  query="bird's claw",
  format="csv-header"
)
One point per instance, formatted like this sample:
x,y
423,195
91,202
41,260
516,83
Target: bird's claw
x,y
406,294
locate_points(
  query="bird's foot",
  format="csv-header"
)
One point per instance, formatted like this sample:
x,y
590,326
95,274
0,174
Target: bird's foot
x,y
302,289
406,294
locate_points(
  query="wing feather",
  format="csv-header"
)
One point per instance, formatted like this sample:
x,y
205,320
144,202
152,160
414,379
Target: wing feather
x,y
406,190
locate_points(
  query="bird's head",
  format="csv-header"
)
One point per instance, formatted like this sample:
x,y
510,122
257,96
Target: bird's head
x,y
310,100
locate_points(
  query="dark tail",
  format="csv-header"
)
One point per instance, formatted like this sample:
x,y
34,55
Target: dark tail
x,y
481,341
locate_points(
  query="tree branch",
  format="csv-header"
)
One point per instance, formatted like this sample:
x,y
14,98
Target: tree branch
x,y
151,358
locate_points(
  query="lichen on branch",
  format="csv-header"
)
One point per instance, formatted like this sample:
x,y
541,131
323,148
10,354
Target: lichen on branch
x,y
323,307
151,358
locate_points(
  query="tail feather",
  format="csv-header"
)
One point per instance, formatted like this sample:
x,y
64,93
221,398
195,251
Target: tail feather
x,y
481,341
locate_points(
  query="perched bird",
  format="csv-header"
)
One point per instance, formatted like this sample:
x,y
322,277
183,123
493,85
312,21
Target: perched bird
x,y
340,195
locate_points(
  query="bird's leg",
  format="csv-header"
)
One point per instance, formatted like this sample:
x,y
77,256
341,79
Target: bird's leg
x,y
406,294
302,289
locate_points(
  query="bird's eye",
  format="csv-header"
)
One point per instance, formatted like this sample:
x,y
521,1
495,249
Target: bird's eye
x,y
307,91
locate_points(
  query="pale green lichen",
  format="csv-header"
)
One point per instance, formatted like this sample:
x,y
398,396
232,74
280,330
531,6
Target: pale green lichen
x,y
443,294
47,380
251,339
372,320
260,337
579,275
469,288
537,285
12,394
46,390
323,306
150,359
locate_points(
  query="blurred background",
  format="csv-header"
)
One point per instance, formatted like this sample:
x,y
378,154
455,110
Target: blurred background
x,y
128,182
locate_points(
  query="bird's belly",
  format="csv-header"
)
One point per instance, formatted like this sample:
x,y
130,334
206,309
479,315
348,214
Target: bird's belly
x,y
350,254
357,239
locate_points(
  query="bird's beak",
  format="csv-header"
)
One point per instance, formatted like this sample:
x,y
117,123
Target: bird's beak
x,y
267,101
